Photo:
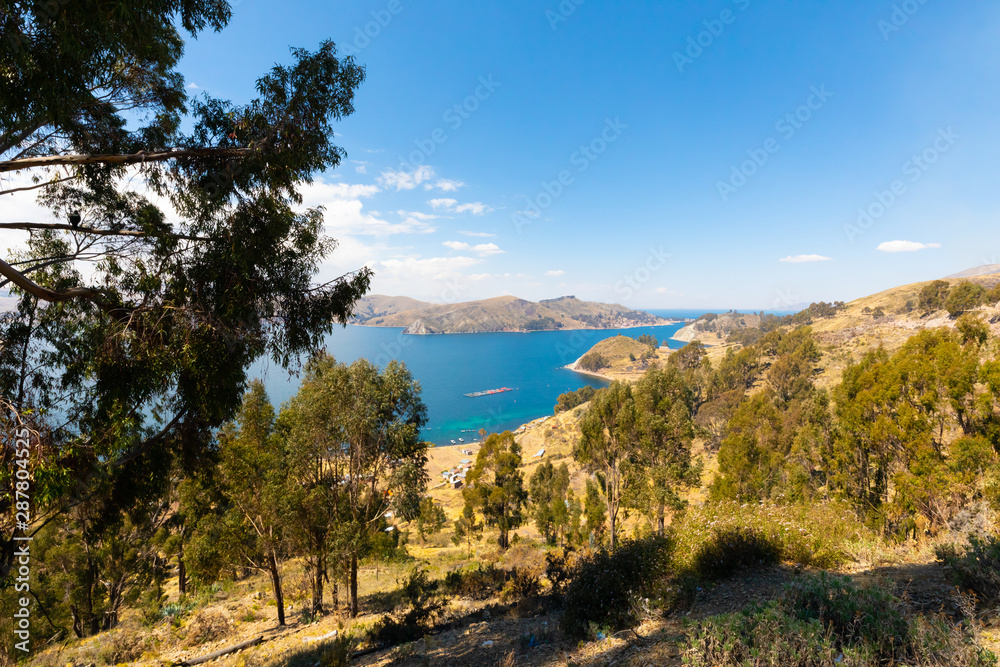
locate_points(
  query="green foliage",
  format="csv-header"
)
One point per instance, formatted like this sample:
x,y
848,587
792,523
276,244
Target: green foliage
x,y
431,518
476,582
521,585
812,534
608,439
662,464
975,567
607,588
889,458
731,550
973,329
335,652
648,339
571,399
933,296
467,528
963,297
547,487
496,485
421,595
593,362
825,621
594,513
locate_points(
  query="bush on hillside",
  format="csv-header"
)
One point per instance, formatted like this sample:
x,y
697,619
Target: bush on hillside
x,y
593,362
814,534
964,296
976,567
612,588
828,620
733,549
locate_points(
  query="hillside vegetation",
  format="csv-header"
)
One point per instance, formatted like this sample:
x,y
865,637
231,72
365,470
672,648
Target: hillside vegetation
x,y
817,489
506,313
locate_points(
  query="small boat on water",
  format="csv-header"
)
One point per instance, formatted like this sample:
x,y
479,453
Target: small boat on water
x,y
453,442
488,392
461,439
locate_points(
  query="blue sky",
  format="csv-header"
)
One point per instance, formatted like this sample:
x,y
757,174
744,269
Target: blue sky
x,y
729,145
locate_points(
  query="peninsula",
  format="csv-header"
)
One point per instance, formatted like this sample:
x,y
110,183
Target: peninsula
x,y
499,314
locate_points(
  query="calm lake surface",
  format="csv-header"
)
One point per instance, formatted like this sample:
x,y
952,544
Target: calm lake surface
x,y
451,365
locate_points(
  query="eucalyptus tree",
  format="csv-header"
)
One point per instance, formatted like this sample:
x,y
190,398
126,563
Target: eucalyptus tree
x,y
496,485
254,476
663,464
609,440
180,252
354,434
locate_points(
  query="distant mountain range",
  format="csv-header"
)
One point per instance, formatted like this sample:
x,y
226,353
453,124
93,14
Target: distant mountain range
x,y
984,270
504,313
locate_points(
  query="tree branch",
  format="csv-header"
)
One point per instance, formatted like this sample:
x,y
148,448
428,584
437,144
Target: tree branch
x,y
91,230
55,296
39,185
135,158
141,449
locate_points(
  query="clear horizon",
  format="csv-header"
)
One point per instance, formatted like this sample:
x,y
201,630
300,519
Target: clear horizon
x,y
729,152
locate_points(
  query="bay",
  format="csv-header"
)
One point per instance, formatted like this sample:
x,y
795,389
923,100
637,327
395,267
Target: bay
x,y
451,365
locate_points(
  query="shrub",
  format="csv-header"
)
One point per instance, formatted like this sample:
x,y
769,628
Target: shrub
x,y
815,535
828,620
334,652
977,567
607,587
733,549
479,583
421,594
521,585
206,626
123,646
593,361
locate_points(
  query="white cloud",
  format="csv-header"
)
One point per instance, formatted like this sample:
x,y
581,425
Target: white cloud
x,y
445,185
475,208
419,215
447,204
344,211
402,180
481,249
411,269
193,86
485,235
554,274
361,167
798,259
485,249
905,246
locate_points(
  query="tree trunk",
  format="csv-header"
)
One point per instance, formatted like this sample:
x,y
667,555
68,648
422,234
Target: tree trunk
x,y
661,520
612,520
354,585
317,598
279,598
181,570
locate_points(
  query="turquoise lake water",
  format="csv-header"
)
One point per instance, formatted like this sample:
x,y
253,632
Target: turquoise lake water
x,y
449,366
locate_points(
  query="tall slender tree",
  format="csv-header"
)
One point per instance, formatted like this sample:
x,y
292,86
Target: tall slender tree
x,y
609,440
